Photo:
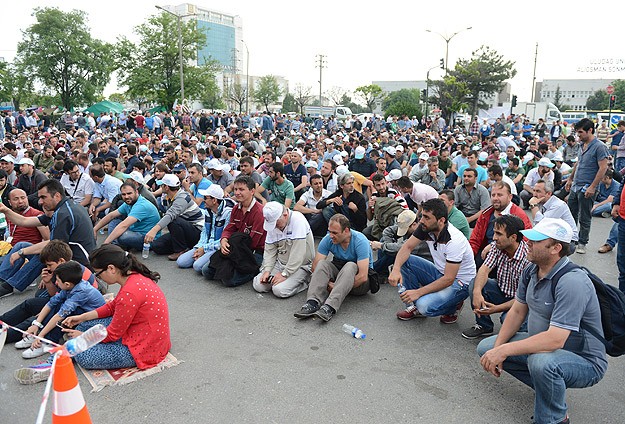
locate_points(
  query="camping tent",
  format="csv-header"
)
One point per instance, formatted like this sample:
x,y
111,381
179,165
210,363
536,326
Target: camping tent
x,y
106,107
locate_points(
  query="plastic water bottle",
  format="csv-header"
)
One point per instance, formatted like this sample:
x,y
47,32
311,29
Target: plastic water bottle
x,y
400,289
145,253
89,338
354,331
101,232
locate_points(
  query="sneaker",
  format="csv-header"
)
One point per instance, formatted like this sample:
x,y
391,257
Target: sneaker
x,y
307,310
33,375
31,353
452,318
409,313
5,289
475,332
605,248
24,343
606,214
326,312
581,249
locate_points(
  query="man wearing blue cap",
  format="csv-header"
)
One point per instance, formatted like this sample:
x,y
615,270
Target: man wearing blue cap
x,y
556,352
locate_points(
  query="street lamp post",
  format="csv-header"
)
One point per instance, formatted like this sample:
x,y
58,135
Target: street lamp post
x,y
179,22
447,40
427,90
247,78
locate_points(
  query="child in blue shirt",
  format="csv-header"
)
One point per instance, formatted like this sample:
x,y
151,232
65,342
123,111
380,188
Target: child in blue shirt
x,y
76,296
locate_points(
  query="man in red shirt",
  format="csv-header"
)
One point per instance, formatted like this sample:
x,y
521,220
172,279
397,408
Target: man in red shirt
x,y
140,123
16,234
246,217
501,204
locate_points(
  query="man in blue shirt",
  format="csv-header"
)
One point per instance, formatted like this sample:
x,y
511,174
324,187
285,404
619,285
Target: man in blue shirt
x,y
585,177
555,353
347,273
608,189
197,182
136,217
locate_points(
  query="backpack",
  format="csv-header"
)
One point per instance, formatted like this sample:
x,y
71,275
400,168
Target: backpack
x,y
612,306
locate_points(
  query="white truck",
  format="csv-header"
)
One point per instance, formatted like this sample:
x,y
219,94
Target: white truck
x,y
548,111
339,112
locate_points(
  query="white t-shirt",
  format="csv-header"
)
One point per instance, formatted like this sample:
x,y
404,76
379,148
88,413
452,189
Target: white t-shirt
x,y
309,200
77,190
453,247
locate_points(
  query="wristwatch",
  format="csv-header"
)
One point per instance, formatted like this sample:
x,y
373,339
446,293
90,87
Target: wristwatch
x,y
20,253
37,324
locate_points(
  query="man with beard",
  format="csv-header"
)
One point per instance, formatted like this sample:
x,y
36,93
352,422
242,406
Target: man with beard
x,y
29,179
346,201
5,187
501,204
138,215
16,234
296,173
6,164
281,190
328,175
438,288
307,205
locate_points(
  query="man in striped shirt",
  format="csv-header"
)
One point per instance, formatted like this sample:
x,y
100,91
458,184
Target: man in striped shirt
x,y
489,296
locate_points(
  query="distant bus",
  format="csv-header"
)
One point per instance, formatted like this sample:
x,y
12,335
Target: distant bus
x,y
571,117
598,116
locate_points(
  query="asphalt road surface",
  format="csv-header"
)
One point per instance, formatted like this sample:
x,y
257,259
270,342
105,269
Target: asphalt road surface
x,y
248,360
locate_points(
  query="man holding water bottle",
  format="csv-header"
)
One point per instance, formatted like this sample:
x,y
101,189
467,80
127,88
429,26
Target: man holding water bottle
x,y
439,288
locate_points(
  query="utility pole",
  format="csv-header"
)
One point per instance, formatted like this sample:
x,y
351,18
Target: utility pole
x,y
321,63
534,77
247,78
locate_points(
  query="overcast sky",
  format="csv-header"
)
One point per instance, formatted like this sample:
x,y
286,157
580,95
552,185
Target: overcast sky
x,y
366,41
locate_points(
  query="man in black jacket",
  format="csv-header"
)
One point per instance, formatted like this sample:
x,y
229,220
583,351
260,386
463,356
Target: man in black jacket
x,y
346,201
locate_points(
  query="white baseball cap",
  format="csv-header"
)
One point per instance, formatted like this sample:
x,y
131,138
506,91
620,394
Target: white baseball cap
x,y
272,211
7,158
554,228
390,150
214,190
405,220
359,153
545,162
311,164
424,156
342,169
169,180
135,175
394,174
25,161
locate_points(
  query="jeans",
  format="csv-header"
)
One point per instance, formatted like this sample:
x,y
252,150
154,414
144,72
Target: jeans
x,y
17,275
549,374
580,207
318,224
130,240
607,207
104,356
620,254
613,237
619,164
237,278
492,294
417,272
22,315
186,260
384,261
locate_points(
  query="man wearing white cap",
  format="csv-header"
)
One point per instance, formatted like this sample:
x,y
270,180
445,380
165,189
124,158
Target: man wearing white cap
x,y
361,163
183,218
218,174
29,180
6,163
391,161
419,167
216,217
554,354
542,172
432,175
289,252
136,216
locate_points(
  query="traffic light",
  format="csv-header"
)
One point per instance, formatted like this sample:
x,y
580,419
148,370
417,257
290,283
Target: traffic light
x,y
424,94
612,101
443,64
514,100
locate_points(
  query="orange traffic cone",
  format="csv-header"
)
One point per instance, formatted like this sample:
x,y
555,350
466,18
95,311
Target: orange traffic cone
x,y
69,404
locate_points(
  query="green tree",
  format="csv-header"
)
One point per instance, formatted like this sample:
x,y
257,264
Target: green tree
x,y
155,74
267,91
346,100
289,104
557,100
118,97
370,95
484,75
402,102
58,52
597,100
450,94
